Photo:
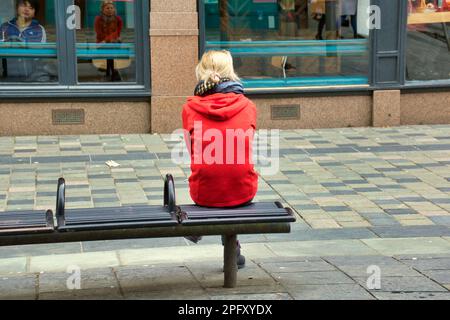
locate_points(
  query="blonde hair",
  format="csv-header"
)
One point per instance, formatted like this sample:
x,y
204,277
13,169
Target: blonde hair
x,y
215,65
105,3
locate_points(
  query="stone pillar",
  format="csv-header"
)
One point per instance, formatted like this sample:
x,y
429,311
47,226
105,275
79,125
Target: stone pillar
x,y
174,55
386,108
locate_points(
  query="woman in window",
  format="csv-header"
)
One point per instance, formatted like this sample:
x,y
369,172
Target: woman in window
x,y
108,26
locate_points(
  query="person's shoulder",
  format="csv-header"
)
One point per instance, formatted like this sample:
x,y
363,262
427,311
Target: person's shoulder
x,y
250,103
7,24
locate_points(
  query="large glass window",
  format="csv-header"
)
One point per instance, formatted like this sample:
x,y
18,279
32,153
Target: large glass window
x,y
105,42
292,43
428,42
28,42
85,47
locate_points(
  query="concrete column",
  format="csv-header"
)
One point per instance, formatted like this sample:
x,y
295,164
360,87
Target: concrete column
x,y
386,108
174,55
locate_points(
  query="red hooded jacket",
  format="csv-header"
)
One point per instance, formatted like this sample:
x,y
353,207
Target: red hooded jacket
x,y
221,127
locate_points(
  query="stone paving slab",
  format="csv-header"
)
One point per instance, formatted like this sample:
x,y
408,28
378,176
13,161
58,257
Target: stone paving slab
x,y
321,248
409,246
412,295
428,264
13,265
329,292
18,287
62,262
404,284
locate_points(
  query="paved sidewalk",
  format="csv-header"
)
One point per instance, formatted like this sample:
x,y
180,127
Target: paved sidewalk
x,y
273,273
360,193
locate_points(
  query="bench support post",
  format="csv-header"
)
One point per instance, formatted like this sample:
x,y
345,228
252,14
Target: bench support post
x,y
230,261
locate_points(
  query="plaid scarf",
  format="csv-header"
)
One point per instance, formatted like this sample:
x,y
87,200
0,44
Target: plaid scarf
x,y
204,88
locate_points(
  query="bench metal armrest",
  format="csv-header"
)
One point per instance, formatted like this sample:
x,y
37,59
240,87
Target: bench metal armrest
x,y
169,194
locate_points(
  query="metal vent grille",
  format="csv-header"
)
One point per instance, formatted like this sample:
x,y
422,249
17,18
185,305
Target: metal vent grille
x,y
65,117
285,112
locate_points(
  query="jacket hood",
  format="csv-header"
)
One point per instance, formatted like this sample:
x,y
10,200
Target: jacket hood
x,y
218,106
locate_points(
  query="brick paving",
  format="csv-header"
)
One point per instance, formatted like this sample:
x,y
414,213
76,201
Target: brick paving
x,y
358,192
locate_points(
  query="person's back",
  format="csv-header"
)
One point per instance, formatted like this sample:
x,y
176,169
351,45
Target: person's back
x,y
220,122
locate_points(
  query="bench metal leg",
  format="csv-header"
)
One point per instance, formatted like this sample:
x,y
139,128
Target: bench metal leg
x,y
230,263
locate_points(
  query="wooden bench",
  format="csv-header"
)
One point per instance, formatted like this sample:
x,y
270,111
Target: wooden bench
x,y
132,222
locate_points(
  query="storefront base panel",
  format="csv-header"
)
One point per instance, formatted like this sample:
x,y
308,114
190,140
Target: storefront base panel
x,y
314,112
65,118
425,108
280,113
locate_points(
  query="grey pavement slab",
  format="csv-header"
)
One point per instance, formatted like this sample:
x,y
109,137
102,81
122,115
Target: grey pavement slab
x,y
412,295
18,287
276,266
83,294
427,264
391,247
403,284
385,270
324,234
40,249
440,276
253,296
61,262
329,292
146,279
168,294
313,278
111,245
411,231
13,265
321,248
356,261
210,276
90,279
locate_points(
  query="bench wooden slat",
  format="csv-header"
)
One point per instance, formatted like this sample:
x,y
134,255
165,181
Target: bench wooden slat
x,y
26,221
241,220
254,205
121,225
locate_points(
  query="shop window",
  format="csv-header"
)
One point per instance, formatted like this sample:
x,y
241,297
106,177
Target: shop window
x,y
291,43
428,40
107,34
28,42
85,47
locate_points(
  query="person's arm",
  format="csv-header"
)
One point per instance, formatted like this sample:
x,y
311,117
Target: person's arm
x,y
44,34
3,33
187,130
98,29
119,26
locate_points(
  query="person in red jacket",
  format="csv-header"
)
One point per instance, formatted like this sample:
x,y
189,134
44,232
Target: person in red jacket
x,y
219,124
108,26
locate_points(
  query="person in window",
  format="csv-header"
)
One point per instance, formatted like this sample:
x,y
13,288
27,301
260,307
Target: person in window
x,y
108,26
23,28
348,9
227,178
287,15
318,14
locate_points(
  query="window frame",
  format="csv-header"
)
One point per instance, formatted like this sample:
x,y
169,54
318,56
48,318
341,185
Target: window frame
x,y
68,85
